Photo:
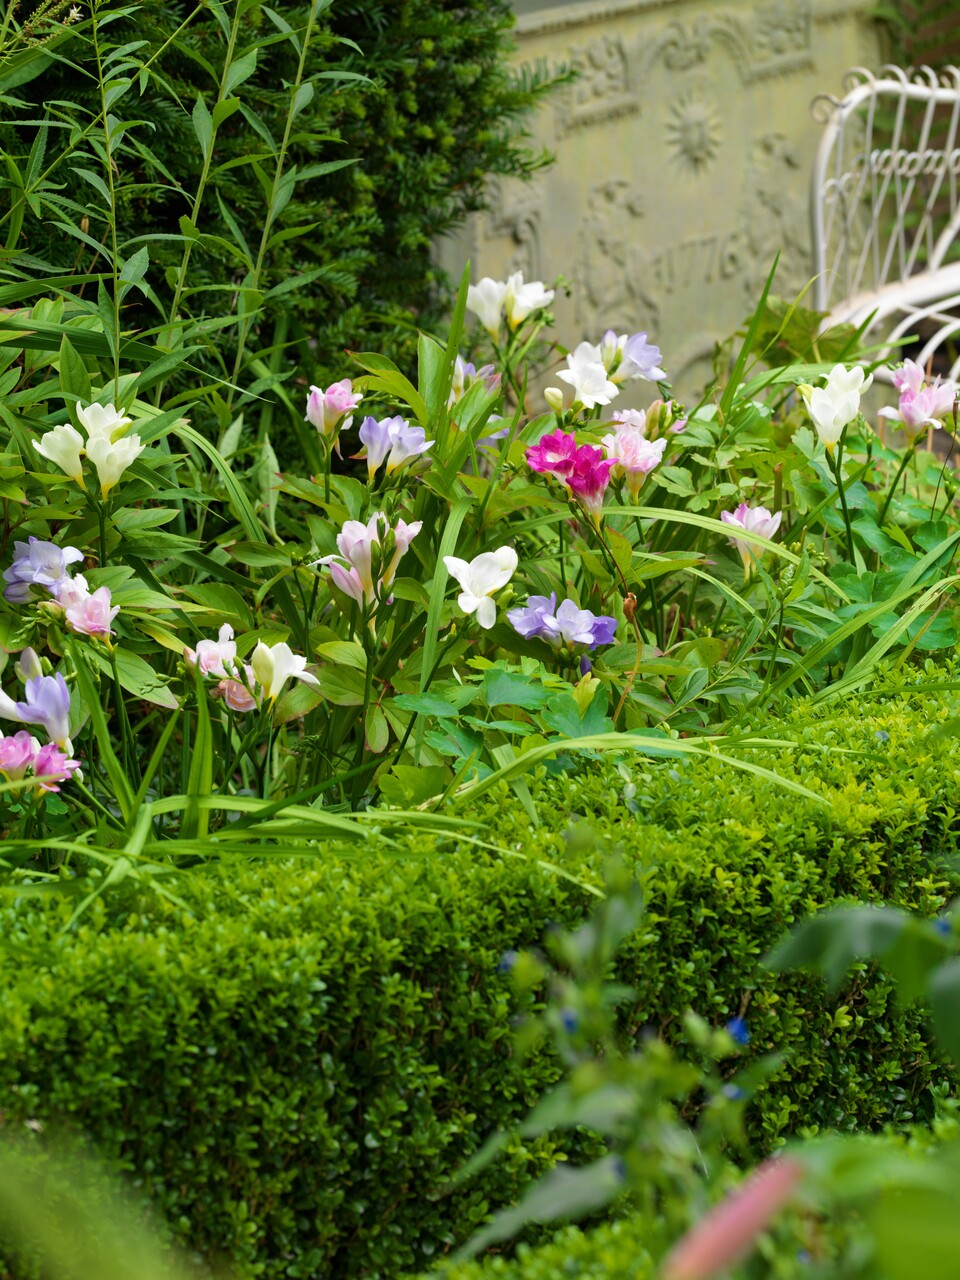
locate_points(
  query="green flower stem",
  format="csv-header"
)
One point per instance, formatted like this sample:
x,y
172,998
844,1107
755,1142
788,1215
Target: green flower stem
x,y
904,463
836,464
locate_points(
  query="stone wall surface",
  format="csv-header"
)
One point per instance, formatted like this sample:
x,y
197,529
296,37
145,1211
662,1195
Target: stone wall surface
x,y
683,156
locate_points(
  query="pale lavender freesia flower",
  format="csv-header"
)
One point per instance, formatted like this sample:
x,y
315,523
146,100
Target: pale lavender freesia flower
x,y
37,566
47,703
392,439
465,374
641,359
568,627
752,520
630,356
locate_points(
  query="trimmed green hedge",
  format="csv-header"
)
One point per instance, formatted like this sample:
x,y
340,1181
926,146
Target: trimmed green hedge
x,y
293,1070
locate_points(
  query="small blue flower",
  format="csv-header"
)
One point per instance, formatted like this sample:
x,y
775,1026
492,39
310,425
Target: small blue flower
x,y
738,1029
881,735
733,1092
943,926
507,961
569,1020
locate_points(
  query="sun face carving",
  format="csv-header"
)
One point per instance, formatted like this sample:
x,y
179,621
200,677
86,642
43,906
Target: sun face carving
x,y
693,129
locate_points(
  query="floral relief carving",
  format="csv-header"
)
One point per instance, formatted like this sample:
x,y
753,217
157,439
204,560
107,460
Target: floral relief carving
x,y
603,85
611,268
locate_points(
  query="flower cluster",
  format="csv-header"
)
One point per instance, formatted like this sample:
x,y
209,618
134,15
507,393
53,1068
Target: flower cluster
x,y
369,556
595,371
922,404
392,439
584,469
46,700
22,756
39,571
106,445
568,627
246,686
491,299
328,410
835,405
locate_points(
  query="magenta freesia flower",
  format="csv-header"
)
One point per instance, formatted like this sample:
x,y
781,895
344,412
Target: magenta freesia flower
x,y
327,410
589,479
567,627
921,404
753,520
38,567
554,455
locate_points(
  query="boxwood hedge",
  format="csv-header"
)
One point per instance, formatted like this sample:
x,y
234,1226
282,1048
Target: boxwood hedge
x,y
292,1063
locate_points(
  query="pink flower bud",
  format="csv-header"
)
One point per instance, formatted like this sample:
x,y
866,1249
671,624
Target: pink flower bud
x,y
726,1234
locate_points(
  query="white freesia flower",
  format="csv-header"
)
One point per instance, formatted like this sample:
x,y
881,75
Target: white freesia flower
x,y
834,406
587,375
111,458
486,301
479,578
63,446
102,420
274,665
523,299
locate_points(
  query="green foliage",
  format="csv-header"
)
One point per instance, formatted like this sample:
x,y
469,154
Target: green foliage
x,y
294,1062
301,159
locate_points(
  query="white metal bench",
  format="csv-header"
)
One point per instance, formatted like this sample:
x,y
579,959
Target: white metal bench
x,y
885,206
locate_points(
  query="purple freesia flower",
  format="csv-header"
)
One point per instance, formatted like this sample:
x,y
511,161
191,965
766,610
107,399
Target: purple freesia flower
x,y
40,565
393,439
53,766
640,359
47,703
465,374
568,627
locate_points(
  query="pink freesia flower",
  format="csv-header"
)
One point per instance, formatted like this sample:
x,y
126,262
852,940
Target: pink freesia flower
x,y
17,754
589,479
726,1235
214,657
51,765
91,615
753,520
326,410
554,455
354,570
236,694
921,404
633,456
635,419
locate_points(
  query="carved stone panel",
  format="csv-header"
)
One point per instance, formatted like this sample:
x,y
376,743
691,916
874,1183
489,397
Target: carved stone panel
x,y
683,154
